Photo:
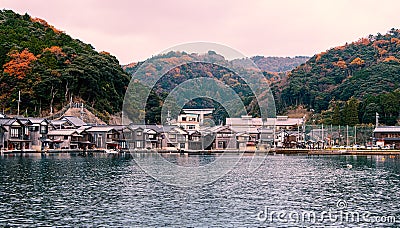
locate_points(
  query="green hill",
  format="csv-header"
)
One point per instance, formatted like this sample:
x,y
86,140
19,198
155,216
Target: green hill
x,y
278,64
364,74
49,67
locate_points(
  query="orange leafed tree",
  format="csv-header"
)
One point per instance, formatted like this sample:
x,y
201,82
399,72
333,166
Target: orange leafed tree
x,y
341,64
357,61
391,58
319,56
20,63
56,50
364,41
45,24
105,53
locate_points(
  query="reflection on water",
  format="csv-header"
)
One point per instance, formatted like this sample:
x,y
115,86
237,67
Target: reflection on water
x,y
99,190
189,160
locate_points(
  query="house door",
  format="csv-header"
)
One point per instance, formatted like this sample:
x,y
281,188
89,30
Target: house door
x,y
221,145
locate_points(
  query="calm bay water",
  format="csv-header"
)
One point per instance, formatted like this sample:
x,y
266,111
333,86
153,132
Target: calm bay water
x,y
64,190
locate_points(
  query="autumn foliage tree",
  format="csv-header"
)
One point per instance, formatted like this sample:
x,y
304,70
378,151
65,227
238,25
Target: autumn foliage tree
x,y
20,63
49,67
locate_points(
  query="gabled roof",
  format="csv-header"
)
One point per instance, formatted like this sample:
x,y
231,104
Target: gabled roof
x,y
62,132
38,120
247,129
151,131
7,121
100,129
248,121
244,121
135,127
25,121
118,127
171,128
167,128
216,129
73,120
58,122
283,121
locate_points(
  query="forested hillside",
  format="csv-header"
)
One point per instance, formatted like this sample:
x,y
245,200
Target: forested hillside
x,y
199,68
278,64
349,83
49,68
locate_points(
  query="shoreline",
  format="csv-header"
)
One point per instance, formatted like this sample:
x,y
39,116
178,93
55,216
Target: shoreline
x,y
213,152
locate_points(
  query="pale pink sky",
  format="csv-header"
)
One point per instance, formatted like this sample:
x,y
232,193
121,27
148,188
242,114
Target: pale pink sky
x,y
136,30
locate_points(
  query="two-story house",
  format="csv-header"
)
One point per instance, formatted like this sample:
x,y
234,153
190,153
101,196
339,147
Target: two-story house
x,y
16,135
224,138
103,136
174,138
2,138
38,130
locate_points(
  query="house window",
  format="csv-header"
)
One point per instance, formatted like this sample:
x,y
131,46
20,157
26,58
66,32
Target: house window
x,y
196,139
138,144
43,129
65,137
151,137
183,118
139,133
14,133
173,136
181,138
191,127
182,145
33,128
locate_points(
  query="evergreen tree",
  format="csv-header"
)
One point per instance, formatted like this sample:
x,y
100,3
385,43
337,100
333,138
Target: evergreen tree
x,y
336,120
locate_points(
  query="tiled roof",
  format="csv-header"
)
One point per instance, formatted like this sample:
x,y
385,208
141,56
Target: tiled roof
x,y
37,120
58,122
62,132
74,121
100,129
280,121
244,121
387,129
6,121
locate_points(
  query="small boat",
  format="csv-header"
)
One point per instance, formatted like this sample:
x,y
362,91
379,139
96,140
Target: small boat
x,y
111,151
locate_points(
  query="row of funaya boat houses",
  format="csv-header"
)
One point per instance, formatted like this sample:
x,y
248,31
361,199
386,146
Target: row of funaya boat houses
x,y
187,132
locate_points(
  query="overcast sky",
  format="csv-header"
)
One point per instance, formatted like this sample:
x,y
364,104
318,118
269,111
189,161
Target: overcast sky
x,y
136,30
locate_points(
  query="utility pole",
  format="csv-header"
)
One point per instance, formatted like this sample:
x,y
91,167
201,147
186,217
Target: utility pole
x,y
19,101
323,139
347,135
168,118
355,135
